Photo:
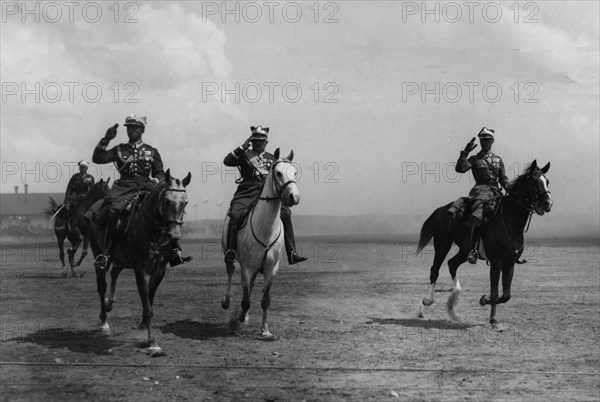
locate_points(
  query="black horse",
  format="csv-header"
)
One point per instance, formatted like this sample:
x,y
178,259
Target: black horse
x,y
145,247
71,226
502,238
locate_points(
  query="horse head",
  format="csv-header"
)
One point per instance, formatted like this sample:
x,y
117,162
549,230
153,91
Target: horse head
x,y
100,189
532,187
283,177
171,205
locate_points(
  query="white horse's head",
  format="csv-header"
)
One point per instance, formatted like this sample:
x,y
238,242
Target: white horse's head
x,y
284,179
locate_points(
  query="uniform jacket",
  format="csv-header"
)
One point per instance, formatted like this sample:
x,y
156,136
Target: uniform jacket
x,y
487,168
135,162
78,187
252,166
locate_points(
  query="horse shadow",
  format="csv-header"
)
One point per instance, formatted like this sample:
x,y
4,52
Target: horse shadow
x,y
200,331
78,341
421,323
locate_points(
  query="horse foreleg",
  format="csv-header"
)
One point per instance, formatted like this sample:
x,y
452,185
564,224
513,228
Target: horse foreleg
x,y
492,300
155,280
141,282
508,270
84,251
114,275
61,252
265,302
101,286
452,302
247,282
227,296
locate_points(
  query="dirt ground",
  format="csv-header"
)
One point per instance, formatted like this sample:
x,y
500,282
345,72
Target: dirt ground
x,y
345,323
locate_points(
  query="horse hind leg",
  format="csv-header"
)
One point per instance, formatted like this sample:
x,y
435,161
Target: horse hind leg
x,y
441,251
226,300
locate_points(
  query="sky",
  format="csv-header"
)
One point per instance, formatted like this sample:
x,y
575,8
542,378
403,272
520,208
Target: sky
x,y
375,98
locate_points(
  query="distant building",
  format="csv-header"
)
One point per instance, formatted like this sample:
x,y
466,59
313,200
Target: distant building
x,y
25,211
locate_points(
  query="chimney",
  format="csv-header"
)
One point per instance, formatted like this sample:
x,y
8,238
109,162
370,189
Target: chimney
x,y
16,189
26,188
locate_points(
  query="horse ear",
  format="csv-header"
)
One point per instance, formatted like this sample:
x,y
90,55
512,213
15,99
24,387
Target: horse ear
x,y
276,154
290,157
187,179
533,165
546,168
168,176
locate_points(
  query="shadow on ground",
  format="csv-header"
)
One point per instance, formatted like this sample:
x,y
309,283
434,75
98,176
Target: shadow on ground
x,y
420,323
198,330
79,341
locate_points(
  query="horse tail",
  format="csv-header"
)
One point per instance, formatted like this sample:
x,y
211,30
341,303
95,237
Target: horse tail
x,y
426,233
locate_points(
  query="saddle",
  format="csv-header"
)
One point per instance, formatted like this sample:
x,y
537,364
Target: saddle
x,y
462,209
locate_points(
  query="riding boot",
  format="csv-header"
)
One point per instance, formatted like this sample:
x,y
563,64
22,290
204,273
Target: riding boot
x,y
231,245
176,257
474,241
290,241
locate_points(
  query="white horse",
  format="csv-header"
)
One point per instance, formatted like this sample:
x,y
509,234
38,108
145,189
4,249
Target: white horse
x,y
260,241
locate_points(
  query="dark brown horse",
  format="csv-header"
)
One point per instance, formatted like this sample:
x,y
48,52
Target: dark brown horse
x,y
68,226
145,247
502,238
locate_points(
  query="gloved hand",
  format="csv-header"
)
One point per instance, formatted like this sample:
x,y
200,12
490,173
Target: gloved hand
x,y
111,132
470,146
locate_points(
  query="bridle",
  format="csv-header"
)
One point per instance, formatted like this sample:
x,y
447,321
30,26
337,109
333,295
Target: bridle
x,y
531,205
275,187
162,206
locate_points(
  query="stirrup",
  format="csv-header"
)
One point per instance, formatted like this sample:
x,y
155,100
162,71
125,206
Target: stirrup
x,y
473,256
230,255
101,261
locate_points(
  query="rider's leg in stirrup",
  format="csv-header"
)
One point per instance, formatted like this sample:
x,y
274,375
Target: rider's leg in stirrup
x,y
230,246
476,219
290,241
176,255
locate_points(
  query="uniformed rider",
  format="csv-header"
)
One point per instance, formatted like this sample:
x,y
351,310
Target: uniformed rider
x,y
79,185
489,174
140,167
254,165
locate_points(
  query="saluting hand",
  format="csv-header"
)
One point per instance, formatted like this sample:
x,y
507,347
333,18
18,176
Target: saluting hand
x,y
111,132
471,145
246,144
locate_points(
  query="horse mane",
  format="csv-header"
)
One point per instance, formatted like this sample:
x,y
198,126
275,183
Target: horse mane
x,y
52,207
529,168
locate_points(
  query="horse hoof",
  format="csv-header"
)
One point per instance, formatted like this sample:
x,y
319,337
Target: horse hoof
x,y
225,302
155,351
427,302
267,336
105,328
497,327
108,305
65,274
482,301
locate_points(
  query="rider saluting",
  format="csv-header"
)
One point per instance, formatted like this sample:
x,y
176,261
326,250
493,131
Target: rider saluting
x,y
254,165
136,163
488,171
